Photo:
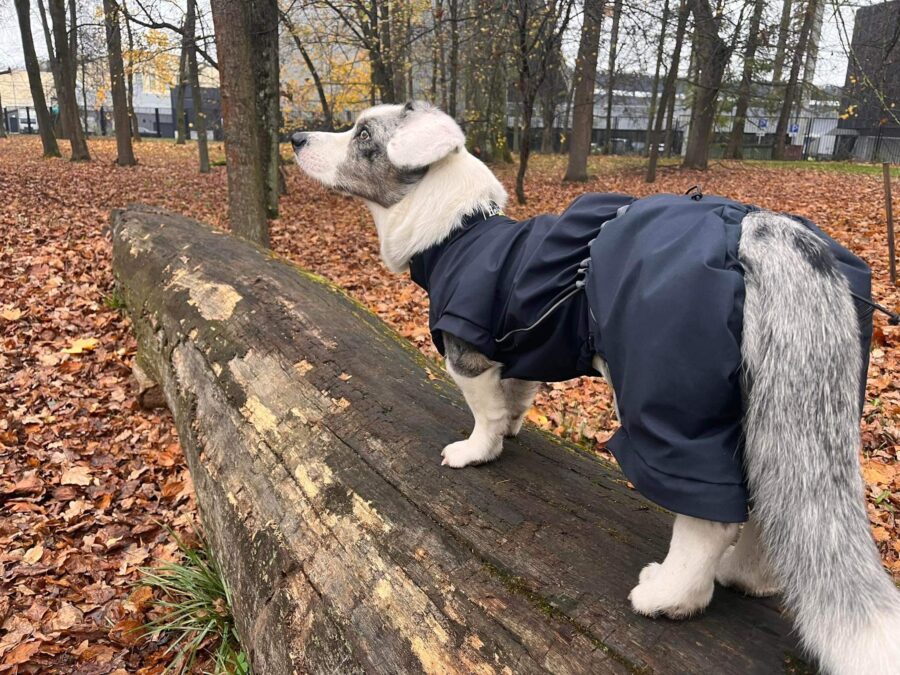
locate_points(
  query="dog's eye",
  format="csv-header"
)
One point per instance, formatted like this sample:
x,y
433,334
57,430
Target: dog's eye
x,y
363,134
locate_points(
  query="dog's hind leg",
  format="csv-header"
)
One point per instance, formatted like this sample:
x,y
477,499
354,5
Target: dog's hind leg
x,y
519,396
683,583
745,566
479,379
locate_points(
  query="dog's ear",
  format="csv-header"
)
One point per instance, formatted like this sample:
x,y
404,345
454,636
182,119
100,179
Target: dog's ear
x,y
424,136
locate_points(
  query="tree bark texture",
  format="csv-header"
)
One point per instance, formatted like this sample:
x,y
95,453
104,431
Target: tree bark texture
x,y
264,39
45,122
241,121
124,150
585,81
68,102
313,435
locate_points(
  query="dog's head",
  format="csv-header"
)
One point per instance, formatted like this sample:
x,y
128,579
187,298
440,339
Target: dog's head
x,y
384,155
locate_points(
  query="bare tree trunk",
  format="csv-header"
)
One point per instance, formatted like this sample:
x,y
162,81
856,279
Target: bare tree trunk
x,y
524,149
124,151
196,91
790,91
585,79
670,116
660,49
454,56
784,30
60,127
264,32
45,123
129,80
246,171
327,113
667,100
180,126
736,140
68,102
712,58
611,74
3,133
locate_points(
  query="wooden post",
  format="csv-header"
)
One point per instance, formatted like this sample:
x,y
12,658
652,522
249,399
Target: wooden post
x,y
889,211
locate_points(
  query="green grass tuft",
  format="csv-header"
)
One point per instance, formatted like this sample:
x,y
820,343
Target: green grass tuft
x,y
115,300
196,616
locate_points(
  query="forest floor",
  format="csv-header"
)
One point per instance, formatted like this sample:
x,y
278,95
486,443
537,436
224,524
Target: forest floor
x,y
90,483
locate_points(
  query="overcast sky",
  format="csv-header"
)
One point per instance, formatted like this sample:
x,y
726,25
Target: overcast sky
x,y
831,68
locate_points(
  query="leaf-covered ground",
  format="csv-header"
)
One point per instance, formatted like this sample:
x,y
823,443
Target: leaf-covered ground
x,y
88,481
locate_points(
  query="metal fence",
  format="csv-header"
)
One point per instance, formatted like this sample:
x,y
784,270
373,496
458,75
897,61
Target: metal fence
x,y
152,122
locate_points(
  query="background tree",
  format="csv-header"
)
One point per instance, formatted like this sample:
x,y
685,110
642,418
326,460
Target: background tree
x,y
193,73
585,79
790,90
711,55
124,150
45,122
241,120
539,26
734,150
264,34
60,128
611,73
66,94
667,99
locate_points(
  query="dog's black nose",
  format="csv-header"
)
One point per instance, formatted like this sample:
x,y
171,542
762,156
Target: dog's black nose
x,y
299,139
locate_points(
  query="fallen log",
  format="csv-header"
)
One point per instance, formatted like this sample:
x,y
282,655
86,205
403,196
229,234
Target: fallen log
x,y
313,435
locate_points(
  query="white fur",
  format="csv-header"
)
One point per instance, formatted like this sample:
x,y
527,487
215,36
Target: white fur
x,y
454,187
683,584
320,160
746,566
426,135
485,397
871,649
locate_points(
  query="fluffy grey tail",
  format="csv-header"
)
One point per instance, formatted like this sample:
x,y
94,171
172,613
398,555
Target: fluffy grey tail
x,y
801,360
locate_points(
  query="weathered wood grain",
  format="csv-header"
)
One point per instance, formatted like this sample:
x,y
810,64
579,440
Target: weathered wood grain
x,y
313,435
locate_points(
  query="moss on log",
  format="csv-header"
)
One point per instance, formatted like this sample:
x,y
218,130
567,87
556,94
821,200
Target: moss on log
x,y
313,434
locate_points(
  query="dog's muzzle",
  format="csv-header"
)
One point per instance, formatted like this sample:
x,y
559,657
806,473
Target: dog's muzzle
x,y
299,139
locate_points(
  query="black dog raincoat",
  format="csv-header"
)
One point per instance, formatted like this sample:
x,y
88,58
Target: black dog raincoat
x,y
662,304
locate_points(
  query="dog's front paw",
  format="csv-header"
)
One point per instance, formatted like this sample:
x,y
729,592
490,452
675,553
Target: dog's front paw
x,y
750,575
463,453
660,592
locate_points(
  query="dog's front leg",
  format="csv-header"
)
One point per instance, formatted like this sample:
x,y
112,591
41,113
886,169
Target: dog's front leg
x,y
479,379
484,394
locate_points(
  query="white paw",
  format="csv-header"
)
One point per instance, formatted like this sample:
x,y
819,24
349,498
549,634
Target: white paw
x,y
660,592
463,453
514,426
748,575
